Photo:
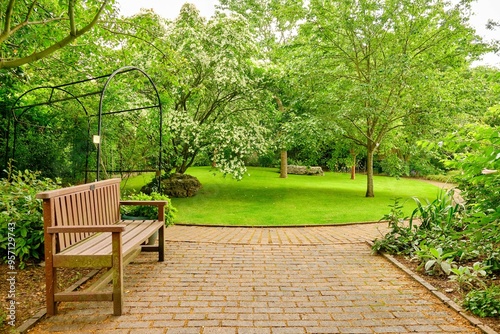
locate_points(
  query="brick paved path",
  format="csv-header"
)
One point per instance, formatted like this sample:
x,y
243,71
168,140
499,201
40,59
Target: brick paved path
x,y
265,281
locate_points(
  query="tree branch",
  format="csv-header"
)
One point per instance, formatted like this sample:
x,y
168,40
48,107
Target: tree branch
x,y
71,15
8,16
7,32
136,37
54,47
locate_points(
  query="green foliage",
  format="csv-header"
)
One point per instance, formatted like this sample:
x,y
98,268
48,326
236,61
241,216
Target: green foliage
x,y
435,260
35,29
431,222
484,303
350,52
395,166
50,141
476,153
436,235
468,277
448,177
21,216
149,211
216,103
493,260
440,213
402,237
449,233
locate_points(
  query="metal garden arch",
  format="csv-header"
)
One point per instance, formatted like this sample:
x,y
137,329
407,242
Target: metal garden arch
x,y
17,111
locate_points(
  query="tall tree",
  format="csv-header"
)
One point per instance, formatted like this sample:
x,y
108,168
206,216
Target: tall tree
x,y
32,30
377,65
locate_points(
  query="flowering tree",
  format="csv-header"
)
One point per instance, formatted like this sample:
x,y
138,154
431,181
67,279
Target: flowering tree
x,y
215,98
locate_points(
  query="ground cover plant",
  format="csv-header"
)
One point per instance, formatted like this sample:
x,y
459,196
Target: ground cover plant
x,y
264,199
458,242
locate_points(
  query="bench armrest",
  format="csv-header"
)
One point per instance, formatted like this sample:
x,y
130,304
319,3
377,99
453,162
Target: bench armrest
x,y
161,204
155,203
83,229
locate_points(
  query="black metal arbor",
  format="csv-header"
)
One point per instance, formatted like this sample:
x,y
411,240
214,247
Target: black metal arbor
x,y
93,138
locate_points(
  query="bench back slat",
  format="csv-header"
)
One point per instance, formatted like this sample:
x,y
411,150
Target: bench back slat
x,y
96,203
87,209
58,205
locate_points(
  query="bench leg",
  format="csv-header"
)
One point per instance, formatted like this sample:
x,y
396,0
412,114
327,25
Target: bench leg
x,y
50,289
161,244
117,274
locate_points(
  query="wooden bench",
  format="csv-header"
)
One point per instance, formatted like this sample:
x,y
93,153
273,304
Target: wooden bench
x,y
83,229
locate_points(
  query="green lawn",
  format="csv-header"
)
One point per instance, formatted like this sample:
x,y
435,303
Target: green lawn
x,y
263,199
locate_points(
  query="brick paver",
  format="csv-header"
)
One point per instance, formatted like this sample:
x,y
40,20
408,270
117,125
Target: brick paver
x,y
265,281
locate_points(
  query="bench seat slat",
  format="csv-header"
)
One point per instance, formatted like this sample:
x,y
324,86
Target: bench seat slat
x,y
135,233
87,229
83,261
81,296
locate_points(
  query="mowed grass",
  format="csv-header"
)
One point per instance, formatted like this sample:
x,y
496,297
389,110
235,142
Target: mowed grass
x,y
264,199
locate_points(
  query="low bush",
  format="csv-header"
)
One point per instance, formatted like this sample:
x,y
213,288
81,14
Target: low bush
x,y
484,303
470,277
21,216
402,237
435,260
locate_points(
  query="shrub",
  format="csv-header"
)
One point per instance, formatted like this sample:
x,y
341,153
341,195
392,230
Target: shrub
x,y
148,211
21,216
441,213
478,158
438,223
484,303
402,237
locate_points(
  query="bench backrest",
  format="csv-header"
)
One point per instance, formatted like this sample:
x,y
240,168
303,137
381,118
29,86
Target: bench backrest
x,y
96,203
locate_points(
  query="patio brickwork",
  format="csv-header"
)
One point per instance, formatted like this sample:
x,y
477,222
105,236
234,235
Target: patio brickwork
x,y
265,281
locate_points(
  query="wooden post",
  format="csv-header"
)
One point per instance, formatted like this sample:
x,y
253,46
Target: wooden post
x,y
161,244
50,250
117,257
161,233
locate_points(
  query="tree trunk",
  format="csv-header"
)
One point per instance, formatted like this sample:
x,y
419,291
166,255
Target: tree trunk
x,y
369,170
284,165
214,164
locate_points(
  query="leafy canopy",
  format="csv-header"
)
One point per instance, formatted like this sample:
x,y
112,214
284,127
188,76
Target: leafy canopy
x,y
32,30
